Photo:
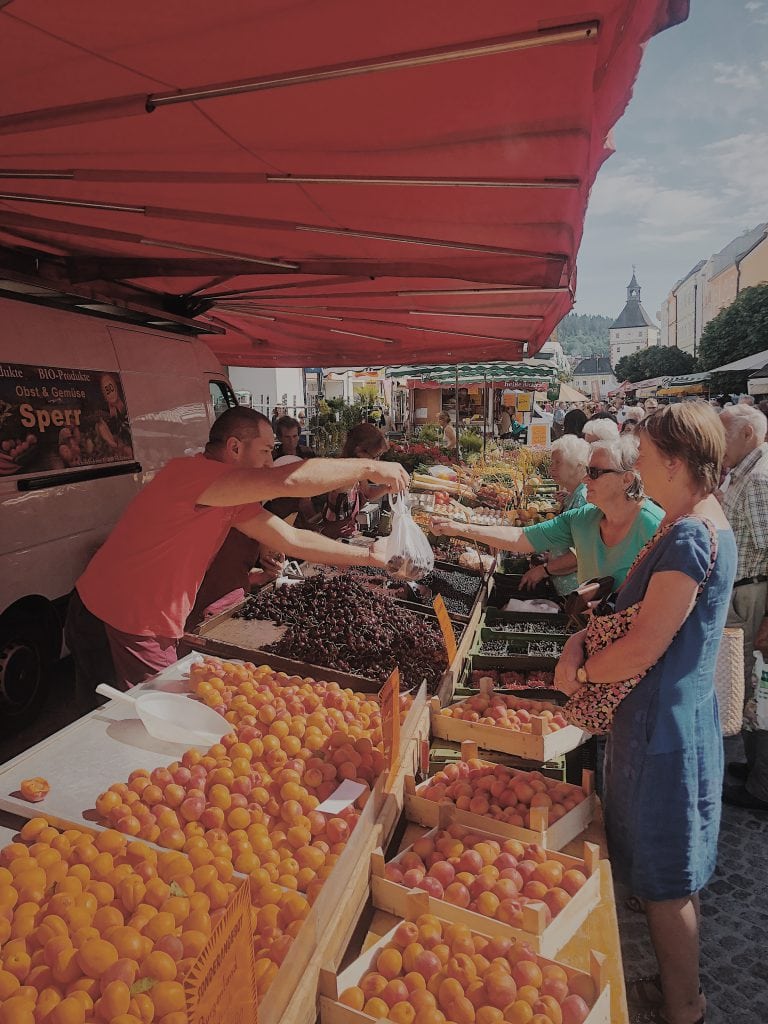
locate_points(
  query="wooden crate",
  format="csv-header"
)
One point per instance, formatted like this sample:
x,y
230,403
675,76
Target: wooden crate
x,y
325,935
332,985
225,636
546,939
553,836
538,745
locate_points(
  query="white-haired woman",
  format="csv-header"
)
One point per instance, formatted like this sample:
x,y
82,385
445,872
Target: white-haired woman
x,y
632,417
600,428
605,534
567,468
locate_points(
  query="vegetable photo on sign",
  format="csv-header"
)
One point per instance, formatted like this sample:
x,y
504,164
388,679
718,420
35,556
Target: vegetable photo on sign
x,y
55,418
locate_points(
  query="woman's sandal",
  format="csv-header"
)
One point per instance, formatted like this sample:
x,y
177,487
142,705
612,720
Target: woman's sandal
x,y
645,995
653,1015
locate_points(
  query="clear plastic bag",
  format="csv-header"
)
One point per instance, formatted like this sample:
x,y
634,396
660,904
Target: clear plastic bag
x,y
408,552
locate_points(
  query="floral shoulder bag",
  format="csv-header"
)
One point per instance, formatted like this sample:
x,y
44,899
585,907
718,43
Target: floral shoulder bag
x,y
593,706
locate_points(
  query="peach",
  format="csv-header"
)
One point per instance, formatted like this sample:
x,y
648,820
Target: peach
x,y
471,861
406,933
477,994
574,1010
462,968
410,954
457,894
373,985
395,991
548,1008
555,987
525,869
526,972
582,985
412,877
487,904
444,872
501,988
432,887
550,873
573,880
556,899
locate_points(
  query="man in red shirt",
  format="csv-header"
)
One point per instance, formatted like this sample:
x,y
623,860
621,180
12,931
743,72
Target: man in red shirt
x,y
142,583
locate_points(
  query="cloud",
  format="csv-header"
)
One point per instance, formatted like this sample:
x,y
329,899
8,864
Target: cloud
x,y
737,76
754,5
741,163
656,210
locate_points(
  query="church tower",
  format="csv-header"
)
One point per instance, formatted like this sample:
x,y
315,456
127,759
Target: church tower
x,y
633,329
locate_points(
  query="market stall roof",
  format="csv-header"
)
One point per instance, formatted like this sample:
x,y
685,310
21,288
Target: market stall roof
x,y
314,182
475,373
754,362
571,394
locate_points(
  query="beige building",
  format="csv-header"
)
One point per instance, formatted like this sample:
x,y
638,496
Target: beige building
x,y
724,270
753,268
689,308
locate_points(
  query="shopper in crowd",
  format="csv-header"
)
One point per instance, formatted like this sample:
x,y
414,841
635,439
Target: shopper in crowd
x,y
663,766
651,405
504,424
339,518
277,412
600,427
746,400
288,434
573,422
558,416
605,534
744,496
568,467
449,433
142,583
632,417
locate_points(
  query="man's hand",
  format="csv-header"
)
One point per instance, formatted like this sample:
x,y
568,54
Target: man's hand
x,y
761,640
444,528
271,563
390,475
535,575
377,555
571,660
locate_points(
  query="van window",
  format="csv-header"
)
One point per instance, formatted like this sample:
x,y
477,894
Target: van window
x,y
222,397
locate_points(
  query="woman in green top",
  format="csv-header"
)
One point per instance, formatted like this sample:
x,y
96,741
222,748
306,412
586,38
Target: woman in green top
x,y
567,467
606,534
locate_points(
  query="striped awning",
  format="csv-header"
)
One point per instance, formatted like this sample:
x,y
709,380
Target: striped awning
x,y
495,372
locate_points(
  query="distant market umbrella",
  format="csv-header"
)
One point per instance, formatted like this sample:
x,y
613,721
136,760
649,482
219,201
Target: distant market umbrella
x,y
475,373
569,394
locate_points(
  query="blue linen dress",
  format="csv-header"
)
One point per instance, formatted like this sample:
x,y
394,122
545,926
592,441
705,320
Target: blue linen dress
x,y
664,758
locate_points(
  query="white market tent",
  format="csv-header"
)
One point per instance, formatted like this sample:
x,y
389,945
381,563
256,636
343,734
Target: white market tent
x,y
753,362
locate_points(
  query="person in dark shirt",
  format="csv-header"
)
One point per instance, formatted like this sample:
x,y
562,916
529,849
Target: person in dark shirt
x,y
288,431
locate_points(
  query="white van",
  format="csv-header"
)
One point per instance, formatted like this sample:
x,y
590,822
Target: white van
x,y
89,411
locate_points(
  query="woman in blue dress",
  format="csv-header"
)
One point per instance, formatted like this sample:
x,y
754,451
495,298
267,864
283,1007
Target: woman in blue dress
x,y
664,759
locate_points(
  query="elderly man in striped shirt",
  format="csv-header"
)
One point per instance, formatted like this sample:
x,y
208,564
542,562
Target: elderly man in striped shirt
x,y
745,502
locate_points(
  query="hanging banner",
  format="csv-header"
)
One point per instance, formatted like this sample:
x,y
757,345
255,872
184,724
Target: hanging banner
x,y
54,418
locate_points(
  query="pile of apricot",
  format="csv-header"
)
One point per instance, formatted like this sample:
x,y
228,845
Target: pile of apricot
x,y
507,712
101,929
501,793
432,972
489,875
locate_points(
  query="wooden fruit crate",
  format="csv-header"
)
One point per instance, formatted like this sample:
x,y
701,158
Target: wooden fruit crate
x,y
538,745
332,985
553,836
544,938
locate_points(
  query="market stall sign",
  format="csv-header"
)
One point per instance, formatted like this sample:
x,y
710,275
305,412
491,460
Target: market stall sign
x,y
389,700
446,626
538,434
221,985
59,418
524,403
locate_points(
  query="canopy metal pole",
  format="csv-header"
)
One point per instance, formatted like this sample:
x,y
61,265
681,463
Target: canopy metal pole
x,y
485,410
458,450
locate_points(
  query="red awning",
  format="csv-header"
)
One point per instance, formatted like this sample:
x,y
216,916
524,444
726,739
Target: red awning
x,y
329,187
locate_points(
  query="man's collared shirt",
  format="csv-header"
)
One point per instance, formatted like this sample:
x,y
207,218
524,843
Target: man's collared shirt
x,y
745,503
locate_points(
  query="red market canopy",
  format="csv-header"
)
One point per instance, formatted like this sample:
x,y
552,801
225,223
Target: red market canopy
x,y
310,184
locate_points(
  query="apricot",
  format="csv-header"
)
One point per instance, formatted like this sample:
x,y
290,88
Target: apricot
x,y
353,997
376,1008
519,1012
373,985
389,963
527,973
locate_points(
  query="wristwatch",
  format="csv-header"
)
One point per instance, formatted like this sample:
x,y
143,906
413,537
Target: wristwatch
x,y
545,567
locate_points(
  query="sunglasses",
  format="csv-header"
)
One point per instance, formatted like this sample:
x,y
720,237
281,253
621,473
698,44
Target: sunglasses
x,y
594,473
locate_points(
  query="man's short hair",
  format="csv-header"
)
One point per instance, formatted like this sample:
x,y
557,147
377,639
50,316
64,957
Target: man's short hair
x,y
286,423
240,422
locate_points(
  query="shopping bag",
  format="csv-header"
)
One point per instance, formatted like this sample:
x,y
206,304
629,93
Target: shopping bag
x,y
408,552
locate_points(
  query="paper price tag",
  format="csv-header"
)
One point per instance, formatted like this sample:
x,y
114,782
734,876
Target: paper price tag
x,y
389,697
446,626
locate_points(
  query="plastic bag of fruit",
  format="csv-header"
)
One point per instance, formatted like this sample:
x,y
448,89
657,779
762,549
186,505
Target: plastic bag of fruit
x,y
408,552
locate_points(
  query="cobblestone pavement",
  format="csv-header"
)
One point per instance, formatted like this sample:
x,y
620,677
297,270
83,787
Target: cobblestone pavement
x,y
734,906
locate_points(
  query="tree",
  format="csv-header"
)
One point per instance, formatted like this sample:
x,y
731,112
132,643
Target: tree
x,y
737,331
655,362
582,334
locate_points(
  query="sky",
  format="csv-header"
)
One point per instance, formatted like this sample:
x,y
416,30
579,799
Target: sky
x,y
690,171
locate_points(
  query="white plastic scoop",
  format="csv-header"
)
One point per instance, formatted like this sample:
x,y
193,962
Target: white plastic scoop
x,y
173,717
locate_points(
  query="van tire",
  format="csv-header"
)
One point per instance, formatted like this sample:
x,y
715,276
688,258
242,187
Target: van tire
x,y
29,644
